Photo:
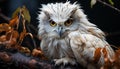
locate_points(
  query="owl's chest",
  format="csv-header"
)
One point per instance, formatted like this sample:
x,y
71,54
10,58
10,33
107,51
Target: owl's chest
x,y
56,48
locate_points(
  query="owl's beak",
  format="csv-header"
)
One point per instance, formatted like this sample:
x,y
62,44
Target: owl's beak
x,y
59,31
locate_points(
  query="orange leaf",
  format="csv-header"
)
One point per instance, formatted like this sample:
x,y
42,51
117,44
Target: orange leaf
x,y
38,53
24,50
14,21
4,27
12,37
2,38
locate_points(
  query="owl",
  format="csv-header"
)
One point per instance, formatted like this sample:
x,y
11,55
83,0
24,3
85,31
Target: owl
x,y
68,37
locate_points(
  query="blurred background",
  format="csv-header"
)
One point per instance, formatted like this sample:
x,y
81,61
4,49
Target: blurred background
x,y
106,18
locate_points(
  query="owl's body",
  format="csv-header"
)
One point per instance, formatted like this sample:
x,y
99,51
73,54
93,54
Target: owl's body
x,y
68,36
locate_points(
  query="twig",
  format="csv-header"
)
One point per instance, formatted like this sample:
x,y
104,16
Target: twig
x,y
113,34
4,17
109,5
34,43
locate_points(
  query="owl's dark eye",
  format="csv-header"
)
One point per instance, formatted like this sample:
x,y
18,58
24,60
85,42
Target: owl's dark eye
x,y
68,22
52,23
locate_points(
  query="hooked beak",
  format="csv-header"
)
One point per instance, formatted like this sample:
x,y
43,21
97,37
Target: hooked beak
x,y
59,31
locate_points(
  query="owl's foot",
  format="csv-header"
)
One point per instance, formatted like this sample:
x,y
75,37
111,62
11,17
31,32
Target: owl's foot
x,y
64,61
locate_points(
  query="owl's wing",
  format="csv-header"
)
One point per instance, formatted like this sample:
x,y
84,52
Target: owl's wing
x,y
88,48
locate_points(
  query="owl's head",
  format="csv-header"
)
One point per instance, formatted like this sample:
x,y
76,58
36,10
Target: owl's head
x,y
59,19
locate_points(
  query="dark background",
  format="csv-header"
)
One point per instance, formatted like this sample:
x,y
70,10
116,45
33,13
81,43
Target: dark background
x,y
104,17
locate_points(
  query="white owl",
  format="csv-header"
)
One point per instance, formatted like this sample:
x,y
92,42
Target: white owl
x,y
68,37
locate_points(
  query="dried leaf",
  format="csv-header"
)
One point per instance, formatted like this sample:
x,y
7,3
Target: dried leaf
x,y
4,27
2,38
24,50
93,2
8,36
21,37
14,22
38,53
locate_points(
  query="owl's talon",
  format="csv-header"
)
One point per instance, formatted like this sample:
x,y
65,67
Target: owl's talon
x,y
64,61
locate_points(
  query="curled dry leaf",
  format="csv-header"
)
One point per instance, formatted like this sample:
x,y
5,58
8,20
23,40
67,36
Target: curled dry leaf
x,y
24,50
38,53
4,27
8,35
14,22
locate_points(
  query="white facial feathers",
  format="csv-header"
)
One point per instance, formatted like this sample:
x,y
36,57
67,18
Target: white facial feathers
x,y
59,11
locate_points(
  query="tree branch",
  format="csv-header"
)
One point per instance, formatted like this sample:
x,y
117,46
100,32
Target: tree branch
x,y
104,3
4,17
12,57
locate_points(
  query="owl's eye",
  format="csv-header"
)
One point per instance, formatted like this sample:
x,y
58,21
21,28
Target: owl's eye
x,y
68,22
52,23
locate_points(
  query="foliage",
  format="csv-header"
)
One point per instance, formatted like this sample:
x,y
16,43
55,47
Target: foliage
x,y
93,2
109,4
12,38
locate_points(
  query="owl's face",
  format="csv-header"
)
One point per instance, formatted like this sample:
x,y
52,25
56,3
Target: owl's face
x,y
60,27
59,19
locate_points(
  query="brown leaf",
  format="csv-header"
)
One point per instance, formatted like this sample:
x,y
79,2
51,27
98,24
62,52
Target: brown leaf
x,y
8,35
4,27
24,50
38,53
14,21
12,37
